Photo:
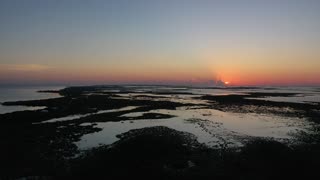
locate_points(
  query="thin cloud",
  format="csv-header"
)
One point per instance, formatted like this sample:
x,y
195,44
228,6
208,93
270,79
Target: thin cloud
x,y
24,67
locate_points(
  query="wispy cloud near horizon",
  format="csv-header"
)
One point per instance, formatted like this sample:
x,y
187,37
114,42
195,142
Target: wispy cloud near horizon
x,y
24,67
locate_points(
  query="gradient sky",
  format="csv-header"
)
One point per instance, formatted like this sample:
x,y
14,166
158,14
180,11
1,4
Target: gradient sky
x,y
245,42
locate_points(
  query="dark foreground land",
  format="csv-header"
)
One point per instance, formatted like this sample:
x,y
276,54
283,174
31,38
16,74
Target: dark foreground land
x,y
34,149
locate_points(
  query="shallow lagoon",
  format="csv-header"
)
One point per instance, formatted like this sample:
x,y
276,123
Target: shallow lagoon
x,y
211,126
24,93
89,126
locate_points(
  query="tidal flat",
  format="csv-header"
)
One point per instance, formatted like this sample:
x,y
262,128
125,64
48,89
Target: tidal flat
x,y
163,132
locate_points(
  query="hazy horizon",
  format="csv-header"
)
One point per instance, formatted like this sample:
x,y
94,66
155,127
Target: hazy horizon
x,y
170,42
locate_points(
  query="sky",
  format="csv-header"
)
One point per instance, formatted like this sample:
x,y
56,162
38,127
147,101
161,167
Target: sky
x,y
191,42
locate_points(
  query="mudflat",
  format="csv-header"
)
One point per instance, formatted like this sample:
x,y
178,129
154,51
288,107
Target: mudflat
x,y
164,132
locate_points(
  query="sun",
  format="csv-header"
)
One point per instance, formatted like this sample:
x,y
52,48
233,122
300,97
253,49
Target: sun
x,y
227,83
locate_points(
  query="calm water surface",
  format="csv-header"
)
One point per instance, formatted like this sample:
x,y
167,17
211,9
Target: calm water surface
x,y
24,93
212,127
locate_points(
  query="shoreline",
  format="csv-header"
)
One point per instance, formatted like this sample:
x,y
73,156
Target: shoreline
x,y
92,110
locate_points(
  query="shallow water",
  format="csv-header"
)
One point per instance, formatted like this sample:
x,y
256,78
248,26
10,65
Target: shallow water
x,y
179,98
212,127
73,117
310,98
24,93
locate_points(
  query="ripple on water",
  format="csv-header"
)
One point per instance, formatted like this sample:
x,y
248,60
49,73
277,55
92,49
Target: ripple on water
x,y
212,127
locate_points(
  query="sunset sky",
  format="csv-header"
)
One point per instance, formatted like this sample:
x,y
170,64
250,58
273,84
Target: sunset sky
x,y
244,42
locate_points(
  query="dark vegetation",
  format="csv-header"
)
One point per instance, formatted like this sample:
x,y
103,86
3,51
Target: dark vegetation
x,y
81,104
244,104
47,150
163,153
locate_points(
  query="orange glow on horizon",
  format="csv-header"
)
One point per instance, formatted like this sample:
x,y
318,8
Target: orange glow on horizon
x,y
238,74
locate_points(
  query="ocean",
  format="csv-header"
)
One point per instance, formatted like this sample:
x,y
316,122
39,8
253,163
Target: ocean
x,y
19,93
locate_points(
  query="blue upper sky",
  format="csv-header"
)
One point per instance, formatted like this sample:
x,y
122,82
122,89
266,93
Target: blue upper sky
x,y
74,34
